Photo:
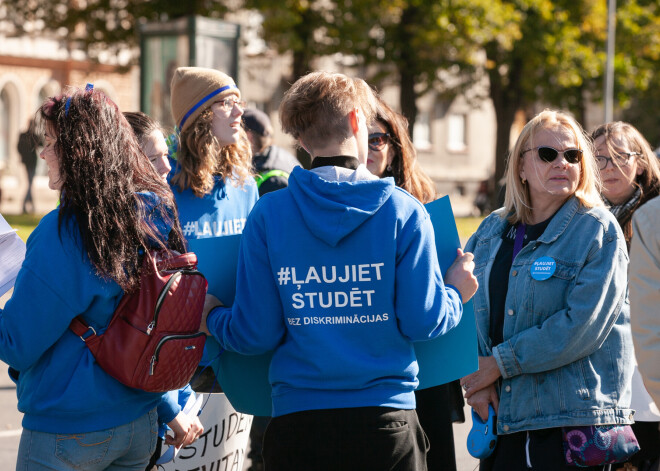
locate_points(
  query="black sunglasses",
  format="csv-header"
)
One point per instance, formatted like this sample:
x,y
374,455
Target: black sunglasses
x,y
378,140
549,154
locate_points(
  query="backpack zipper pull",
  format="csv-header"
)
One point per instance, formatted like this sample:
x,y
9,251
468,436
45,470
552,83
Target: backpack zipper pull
x,y
150,327
152,365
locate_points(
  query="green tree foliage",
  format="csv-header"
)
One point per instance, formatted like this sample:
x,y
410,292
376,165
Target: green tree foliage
x,y
549,52
98,26
638,52
557,57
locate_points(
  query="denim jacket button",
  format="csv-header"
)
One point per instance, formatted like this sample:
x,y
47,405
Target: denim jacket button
x,y
514,272
506,428
507,388
510,312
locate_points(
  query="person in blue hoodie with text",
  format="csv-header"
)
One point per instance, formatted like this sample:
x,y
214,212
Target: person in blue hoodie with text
x,y
338,274
80,260
211,177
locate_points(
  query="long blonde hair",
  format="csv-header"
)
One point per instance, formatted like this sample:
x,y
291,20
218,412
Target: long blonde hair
x,y
201,157
517,200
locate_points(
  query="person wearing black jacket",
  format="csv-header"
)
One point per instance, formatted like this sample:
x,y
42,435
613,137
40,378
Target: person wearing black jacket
x,y
27,148
272,164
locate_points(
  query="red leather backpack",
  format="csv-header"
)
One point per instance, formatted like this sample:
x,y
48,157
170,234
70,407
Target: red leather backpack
x,y
153,341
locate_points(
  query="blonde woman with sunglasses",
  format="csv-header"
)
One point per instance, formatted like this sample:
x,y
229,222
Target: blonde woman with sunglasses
x,y
552,316
631,177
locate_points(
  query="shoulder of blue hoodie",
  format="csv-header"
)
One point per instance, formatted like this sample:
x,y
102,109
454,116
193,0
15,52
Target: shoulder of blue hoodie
x,y
55,284
333,211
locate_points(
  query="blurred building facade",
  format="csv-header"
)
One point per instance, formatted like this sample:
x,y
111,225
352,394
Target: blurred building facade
x,y
455,140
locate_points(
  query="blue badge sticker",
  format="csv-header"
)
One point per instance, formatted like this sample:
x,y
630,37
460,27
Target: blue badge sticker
x,y
543,268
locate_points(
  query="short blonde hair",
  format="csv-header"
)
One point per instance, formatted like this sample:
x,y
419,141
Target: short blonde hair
x,y
314,109
517,200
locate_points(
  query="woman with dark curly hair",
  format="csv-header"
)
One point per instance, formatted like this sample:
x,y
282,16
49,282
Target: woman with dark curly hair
x,y
392,153
80,260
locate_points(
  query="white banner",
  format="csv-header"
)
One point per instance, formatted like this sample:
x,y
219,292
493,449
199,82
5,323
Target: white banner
x,y
222,446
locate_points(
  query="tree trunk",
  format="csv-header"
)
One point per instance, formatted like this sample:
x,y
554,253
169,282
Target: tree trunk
x,y
506,94
407,99
302,59
407,67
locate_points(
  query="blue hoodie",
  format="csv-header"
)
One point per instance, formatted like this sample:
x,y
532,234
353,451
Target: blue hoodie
x,y
60,387
219,213
339,278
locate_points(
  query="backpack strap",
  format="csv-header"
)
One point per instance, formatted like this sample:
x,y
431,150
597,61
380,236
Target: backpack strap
x,y
82,329
263,176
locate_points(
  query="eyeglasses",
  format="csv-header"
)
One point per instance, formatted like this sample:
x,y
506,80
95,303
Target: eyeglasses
x,y
378,140
228,104
619,160
549,154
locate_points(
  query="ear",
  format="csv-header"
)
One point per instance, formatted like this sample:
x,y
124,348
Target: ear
x,y
354,120
302,144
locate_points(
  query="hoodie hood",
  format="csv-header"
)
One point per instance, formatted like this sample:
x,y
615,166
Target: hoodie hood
x,y
332,210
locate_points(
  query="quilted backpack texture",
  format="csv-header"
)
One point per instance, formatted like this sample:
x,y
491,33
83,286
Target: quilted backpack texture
x,y
153,341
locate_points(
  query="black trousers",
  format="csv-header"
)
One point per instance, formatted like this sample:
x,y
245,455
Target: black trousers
x,y
546,453
360,439
438,408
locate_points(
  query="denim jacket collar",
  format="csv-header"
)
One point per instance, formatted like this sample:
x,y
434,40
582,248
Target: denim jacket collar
x,y
560,220
556,228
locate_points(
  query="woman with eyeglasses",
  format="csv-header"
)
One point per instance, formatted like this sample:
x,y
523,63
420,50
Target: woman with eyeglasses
x,y
392,154
552,314
211,175
628,168
631,177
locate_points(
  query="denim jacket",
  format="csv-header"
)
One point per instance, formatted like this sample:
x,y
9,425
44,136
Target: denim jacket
x,y
566,358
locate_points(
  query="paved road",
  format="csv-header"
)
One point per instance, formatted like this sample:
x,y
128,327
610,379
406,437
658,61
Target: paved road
x,y
10,426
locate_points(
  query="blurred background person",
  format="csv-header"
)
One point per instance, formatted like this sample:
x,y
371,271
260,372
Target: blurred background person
x,y
631,176
28,141
152,141
553,325
80,260
392,153
271,163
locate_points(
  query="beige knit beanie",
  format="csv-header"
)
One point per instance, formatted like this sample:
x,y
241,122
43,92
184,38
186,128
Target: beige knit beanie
x,y
195,89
